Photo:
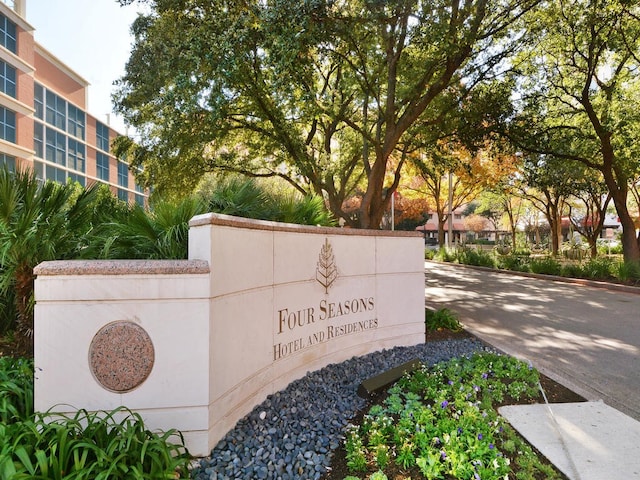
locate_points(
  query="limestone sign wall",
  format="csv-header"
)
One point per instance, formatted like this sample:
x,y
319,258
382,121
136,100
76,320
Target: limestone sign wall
x,y
196,344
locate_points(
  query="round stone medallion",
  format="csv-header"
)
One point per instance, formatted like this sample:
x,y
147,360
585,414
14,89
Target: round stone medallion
x,y
121,356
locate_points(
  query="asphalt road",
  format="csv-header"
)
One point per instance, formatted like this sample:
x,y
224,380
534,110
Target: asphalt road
x,y
584,337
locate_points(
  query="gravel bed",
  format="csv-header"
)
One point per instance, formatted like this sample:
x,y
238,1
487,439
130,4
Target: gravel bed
x,y
292,434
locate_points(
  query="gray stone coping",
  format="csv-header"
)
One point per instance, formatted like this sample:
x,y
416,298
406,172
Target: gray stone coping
x,y
250,223
122,267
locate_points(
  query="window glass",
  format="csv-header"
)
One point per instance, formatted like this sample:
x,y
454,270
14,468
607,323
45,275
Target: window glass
x,y
38,139
123,195
7,79
102,166
56,174
55,149
7,125
77,178
9,161
56,111
76,122
76,155
102,136
38,167
38,101
8,34
123,174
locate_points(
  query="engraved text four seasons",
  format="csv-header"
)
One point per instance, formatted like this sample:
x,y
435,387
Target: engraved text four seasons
x,y
289,320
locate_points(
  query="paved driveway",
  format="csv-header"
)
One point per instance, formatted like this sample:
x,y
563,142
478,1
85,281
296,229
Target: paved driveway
x,y
588,338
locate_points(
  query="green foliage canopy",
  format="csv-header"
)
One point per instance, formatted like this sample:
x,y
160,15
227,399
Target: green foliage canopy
x,y
320,93
578,94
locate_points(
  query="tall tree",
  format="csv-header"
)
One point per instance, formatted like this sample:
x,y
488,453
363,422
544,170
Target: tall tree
x,y
453,176
547,184
579,94
593,198
319,93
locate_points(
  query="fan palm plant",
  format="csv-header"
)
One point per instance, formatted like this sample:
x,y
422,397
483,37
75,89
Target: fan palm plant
x,y
159,233
39,221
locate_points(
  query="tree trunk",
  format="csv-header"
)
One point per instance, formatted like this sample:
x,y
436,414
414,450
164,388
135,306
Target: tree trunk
x,y
512,225
374,203
555,226
24,310
630,247
441,222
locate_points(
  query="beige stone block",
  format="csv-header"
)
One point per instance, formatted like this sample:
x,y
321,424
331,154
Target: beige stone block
x,y
121,287
240,260
399,255
240,338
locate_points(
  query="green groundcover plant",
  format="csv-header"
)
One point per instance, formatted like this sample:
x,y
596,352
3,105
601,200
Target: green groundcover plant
x,y
98,445
441,423
443,318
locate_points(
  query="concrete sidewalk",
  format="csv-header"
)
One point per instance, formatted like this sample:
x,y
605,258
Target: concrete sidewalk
x,y
586,441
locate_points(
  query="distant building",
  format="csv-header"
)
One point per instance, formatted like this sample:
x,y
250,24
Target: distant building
x,y
463,229
430,227
44,123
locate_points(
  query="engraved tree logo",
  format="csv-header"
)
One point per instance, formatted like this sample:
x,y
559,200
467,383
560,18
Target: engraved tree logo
x,y
326,271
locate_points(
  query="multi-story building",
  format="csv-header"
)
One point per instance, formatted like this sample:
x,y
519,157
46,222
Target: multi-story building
x,y
44,122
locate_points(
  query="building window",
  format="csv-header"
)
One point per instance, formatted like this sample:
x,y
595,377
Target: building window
x,y
123,195
102,136
7,79
77,178
7,125
8,34
38,101
38,139
123,174
8,161
102,166
55,150
139,195
75,122
38,168
76,155
56,110
56,174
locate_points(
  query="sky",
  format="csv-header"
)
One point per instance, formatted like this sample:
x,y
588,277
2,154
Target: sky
x,y
92,38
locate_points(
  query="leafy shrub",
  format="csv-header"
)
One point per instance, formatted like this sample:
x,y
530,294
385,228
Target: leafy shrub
x,y
607,249
476,257
7,311
16,389
443,318
249,198
545,266
598,269
429,253
91,446
573,270
102,445
446,255
628,271
513,262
